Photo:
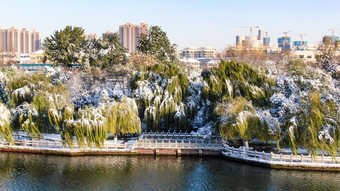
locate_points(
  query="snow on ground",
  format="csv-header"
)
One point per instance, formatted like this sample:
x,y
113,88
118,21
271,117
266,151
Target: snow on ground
x,y
283,163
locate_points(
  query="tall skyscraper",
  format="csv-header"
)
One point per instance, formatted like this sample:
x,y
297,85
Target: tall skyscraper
x,y
129,34
19,40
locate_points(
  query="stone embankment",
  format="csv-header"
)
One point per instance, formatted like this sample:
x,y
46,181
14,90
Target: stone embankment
x,y
178,144
147,144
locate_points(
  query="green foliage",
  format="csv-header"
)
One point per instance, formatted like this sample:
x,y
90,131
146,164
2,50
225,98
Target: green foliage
x,y
66,46
235,79
314,128
122,117
29,93
21,79
240,122
61,119
20,96
89,126
156,43
106,51
159,109
5,121
297,67
28,120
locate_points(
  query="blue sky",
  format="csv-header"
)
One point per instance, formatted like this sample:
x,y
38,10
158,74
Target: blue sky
x,y
187,22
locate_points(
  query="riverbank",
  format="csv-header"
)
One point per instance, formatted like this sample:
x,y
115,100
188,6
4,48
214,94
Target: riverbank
x,y
282,161
178,147
95,151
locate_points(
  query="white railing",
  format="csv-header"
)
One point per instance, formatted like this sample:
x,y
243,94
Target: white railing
x,y
178,144
179,135
58,144
279,158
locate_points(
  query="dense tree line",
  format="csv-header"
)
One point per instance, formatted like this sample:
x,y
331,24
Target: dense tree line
x,y
293,104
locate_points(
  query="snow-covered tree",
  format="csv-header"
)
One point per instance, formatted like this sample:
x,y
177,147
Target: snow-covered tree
x,y
122,117
156,43
5,121
65,47
160,93
107,51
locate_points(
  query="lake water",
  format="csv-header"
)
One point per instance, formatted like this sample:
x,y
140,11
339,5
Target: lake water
x,y
41,172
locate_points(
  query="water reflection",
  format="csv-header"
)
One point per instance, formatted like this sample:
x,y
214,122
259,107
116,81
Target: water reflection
x,y
41,172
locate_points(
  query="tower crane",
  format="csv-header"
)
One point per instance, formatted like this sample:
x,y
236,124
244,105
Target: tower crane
x,y
286,36
301,36
286,33
267,43
250,27
332,29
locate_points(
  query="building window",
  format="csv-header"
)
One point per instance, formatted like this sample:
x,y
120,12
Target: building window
x,y
301,56
310,56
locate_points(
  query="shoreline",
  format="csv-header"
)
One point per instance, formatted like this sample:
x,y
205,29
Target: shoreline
x,y
94,151
284,165
173,152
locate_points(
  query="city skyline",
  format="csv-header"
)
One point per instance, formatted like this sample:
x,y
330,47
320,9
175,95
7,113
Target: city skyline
x,y
188,24
19,40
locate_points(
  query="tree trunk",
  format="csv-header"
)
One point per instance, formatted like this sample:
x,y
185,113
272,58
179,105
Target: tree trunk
x,y
246,144
116,138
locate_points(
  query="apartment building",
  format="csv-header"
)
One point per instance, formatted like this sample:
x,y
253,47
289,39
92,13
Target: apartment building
x,y
20,41
129,34
202,52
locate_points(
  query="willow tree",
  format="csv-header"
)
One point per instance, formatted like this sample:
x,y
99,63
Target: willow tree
x,y
160,91
316,127
236,79
61,117
5,120
28,121
89,127
122,117
238,121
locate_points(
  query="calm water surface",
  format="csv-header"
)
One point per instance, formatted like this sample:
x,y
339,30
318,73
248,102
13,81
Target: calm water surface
x,y
41,172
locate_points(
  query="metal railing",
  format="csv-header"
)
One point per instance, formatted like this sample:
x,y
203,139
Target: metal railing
x,y
59,145
179,143
279,158
175,135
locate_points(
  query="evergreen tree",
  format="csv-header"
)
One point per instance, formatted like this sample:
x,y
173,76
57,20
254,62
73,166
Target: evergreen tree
x,y
66,46
157,43
106,51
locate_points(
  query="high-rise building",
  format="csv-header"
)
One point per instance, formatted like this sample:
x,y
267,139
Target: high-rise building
x,y
20,41
129,35
253,41
284,43
266,41
298,43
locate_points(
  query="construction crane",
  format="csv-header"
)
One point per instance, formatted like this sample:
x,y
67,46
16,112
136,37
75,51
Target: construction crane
x,y
286,33
286,37
332,29
301,36
250,27
267,41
